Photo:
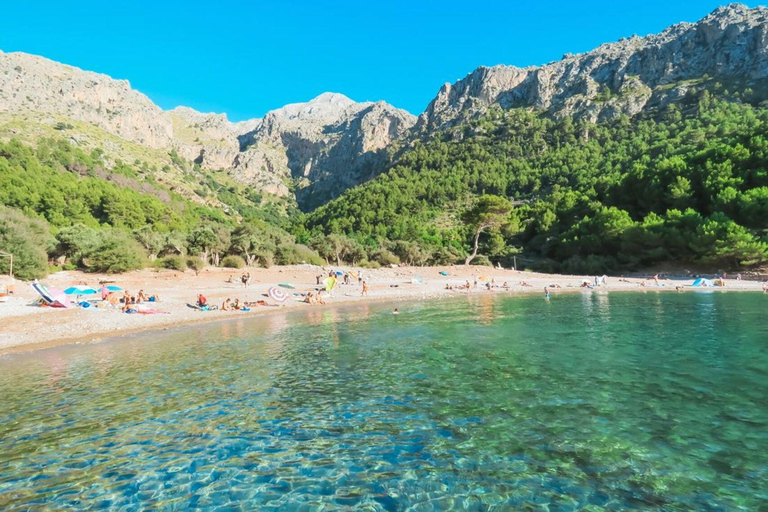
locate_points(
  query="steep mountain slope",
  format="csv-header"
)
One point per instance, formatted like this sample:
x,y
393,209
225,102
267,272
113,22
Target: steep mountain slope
x,y
625,77
329,143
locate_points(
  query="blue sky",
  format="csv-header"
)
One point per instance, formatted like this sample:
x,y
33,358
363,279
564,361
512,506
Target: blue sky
x,y
248,57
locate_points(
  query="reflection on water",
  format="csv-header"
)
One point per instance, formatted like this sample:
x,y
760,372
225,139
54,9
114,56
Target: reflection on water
x,y
586,402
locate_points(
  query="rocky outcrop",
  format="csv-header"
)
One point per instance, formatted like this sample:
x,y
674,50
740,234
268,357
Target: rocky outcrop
x,y
33,84
324,146
624,77
330,143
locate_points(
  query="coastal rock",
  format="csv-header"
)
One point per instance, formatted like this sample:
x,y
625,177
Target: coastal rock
x,y
625,77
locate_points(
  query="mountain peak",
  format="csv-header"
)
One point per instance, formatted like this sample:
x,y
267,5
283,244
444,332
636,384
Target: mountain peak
x,y
334,98
624,77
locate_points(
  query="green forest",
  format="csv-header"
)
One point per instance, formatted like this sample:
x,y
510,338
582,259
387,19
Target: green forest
x,y
688,186
684,186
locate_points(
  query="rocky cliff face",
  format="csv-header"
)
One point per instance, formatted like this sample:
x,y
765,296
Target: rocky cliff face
x,y
624,77
33,84
327,144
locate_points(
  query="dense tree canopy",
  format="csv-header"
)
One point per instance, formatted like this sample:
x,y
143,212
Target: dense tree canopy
x,y
687,185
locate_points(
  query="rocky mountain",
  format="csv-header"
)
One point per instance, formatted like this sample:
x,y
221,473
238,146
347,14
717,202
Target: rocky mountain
x,y
625,77
320,148
324,146
328,144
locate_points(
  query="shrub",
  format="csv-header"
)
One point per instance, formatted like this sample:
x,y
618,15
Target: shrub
x,y
195,264
26,239
174,263
293,254
369,264
232,261
481,260
115,253
385,257
266,258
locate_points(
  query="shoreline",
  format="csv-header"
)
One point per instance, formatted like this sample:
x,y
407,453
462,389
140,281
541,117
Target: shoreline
x,y
28,328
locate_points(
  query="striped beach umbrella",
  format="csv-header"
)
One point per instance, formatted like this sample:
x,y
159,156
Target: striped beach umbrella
x,y
277,294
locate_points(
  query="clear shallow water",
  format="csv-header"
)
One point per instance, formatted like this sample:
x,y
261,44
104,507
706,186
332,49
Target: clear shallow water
x,y
588,402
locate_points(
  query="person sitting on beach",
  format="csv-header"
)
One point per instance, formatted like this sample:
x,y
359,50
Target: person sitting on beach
x,y
505,285
130,308
230,280
237,305
308,298
524,283
319,297
141,297
201,300
226,305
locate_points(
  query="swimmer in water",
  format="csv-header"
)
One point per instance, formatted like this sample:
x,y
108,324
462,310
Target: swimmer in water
x,y
395,312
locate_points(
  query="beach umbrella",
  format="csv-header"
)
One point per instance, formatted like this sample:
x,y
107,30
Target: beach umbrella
x,y
277,294
329,283
287,285
79,290
353,273
483,278
113,288
339,273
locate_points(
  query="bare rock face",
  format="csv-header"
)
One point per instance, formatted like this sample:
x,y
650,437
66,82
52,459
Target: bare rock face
x,y
33,84
210,140
331,143
327,145
624,77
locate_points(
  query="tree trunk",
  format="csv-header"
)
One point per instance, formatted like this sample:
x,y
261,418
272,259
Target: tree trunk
x,y
477,242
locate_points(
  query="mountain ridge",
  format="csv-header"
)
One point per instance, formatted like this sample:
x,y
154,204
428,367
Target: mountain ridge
x,y
317,149
732,41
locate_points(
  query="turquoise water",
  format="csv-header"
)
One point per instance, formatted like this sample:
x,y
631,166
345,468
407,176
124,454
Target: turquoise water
x,y
586,402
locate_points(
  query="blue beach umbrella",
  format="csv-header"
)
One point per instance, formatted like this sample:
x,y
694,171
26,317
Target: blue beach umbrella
x,y
113,288
79,290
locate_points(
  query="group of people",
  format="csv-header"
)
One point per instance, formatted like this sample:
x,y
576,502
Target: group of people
x,y
228,304
314,298
489,285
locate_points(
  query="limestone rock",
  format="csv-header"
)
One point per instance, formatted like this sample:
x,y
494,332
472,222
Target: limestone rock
x,y
624,77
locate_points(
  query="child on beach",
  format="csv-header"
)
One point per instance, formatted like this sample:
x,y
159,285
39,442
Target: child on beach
x,y
365,289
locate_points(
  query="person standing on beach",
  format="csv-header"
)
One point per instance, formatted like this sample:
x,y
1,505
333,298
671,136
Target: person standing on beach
x,y
365,289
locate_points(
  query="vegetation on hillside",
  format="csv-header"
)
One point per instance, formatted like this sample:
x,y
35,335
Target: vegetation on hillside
x,y
689,186
64,205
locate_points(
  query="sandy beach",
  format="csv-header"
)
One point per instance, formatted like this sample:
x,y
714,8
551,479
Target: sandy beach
x,y
29,327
